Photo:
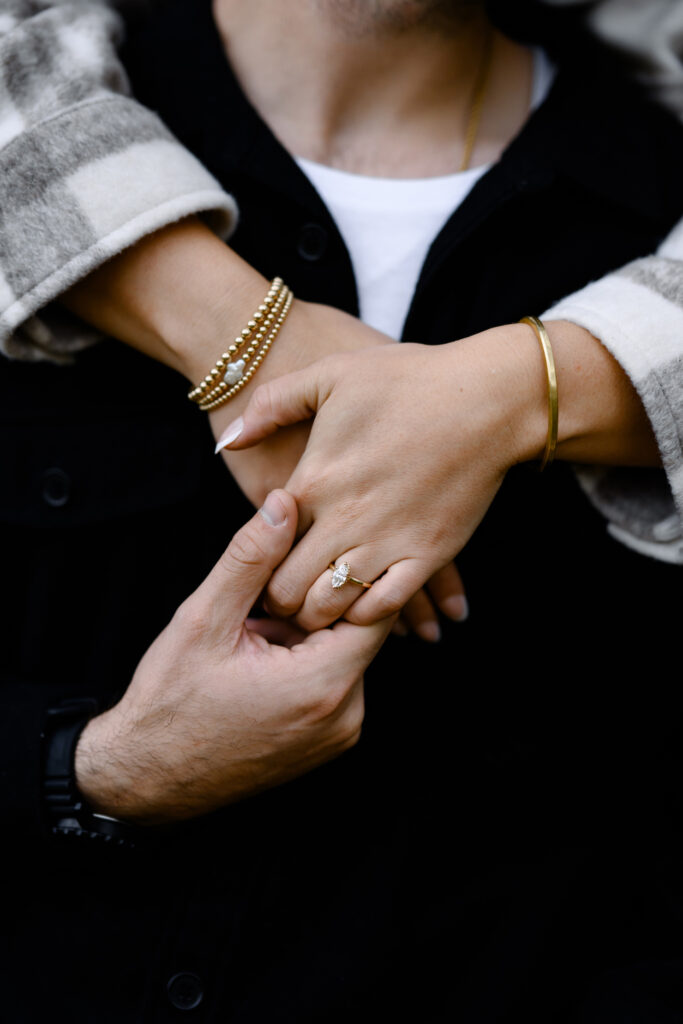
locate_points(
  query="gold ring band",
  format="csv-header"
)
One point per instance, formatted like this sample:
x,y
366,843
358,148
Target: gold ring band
x,y
341,574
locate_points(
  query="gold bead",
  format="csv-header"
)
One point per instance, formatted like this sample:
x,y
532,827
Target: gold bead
x,y
233,349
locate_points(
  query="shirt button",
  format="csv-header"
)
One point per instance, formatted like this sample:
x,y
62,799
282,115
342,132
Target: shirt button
x,y
185,991
55,487
312,242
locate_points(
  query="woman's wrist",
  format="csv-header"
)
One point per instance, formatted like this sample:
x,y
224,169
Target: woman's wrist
x,y
506,367
601,418
179,295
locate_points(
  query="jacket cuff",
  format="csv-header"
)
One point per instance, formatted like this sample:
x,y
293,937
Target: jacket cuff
x,y
113,174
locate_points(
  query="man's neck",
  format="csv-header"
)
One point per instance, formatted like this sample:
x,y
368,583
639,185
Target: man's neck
x,y
343,86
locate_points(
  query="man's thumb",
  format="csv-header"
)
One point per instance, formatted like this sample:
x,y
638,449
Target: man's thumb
x,y
234,584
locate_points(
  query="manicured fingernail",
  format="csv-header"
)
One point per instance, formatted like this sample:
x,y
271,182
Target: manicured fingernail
x,y
230,434
456,607
429,631
273,511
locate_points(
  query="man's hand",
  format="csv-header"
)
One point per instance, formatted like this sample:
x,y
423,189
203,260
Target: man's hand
x,y
215,711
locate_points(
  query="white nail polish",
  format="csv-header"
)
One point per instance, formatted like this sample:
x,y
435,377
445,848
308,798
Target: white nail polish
x,y
230,434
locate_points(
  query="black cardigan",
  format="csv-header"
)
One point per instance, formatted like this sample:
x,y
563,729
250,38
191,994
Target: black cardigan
x,y
504,841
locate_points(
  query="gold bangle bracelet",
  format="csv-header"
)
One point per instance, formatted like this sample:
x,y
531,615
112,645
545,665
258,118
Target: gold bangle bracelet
x,y
553,409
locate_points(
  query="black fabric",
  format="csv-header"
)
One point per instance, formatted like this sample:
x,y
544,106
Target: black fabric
x,y
504,842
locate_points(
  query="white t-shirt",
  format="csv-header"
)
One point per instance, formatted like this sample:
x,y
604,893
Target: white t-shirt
x,y
389,224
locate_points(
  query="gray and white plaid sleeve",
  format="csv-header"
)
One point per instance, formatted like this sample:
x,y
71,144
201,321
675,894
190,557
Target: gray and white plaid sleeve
x,y
637,312
85,171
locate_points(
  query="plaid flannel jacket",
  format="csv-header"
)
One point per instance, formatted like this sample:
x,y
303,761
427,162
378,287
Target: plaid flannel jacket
x,y
85,172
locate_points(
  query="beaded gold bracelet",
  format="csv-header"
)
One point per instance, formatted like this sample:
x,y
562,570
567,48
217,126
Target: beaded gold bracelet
x,y
260,333
553,412
213,403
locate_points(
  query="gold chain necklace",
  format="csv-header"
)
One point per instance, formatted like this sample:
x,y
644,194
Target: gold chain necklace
x,y
477,102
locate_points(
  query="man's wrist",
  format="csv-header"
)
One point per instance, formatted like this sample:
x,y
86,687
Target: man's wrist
x,y
119,778
67,812
103,773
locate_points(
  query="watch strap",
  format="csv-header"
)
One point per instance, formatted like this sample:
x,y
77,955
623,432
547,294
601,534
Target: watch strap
x,y
68,814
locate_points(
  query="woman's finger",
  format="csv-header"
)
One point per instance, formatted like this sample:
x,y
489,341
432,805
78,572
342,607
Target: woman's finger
x,y
336,589
448,592
277,403
421,618
390,593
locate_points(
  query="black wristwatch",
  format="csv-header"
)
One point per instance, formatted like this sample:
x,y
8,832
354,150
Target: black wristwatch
x,y
67,812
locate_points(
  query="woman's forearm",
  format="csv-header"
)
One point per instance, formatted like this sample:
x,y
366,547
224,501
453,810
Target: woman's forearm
x,y
179,295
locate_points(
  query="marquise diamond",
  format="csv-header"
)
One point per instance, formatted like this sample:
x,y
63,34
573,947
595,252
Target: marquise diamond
x,y
340,575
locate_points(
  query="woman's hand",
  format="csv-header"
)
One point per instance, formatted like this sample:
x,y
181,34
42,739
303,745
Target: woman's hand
x,y
180,296
312,332
408,448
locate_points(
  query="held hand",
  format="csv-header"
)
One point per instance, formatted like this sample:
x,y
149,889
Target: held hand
x,y
215,711
312,332
403,461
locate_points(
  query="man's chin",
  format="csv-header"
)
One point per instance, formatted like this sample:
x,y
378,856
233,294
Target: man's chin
x,y
396,16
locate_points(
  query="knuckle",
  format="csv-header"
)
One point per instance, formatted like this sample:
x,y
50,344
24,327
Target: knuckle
x,y
191,619
388,602
262,403
325,706
325,605
350,740
352,725
310,480
283,594
338,707
244,551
